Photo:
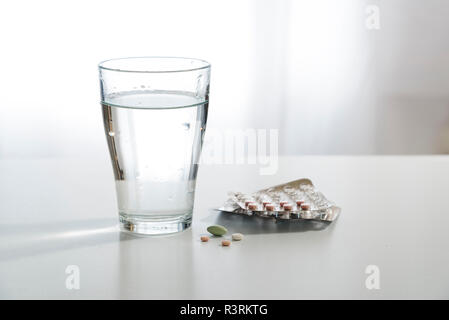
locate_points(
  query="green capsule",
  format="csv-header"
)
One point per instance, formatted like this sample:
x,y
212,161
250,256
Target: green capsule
x,y
217,230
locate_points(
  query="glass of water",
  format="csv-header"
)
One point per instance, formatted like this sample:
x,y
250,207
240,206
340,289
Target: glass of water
x,y
154,112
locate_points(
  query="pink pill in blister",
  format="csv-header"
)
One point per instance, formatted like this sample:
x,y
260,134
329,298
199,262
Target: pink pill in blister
x,y
282,203
252,206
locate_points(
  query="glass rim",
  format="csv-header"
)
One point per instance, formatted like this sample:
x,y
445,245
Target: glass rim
x,y
204,64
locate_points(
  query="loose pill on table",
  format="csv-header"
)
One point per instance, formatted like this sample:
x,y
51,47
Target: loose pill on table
x,y
204,238
217,230
237,236
226,243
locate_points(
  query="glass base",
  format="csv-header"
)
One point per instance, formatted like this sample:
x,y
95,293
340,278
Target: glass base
x,y
151,226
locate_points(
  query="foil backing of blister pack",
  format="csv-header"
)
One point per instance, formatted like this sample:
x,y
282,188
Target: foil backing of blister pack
x,y
300,198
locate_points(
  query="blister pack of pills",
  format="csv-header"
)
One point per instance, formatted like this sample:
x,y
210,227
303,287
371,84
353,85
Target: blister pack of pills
x,y
289,201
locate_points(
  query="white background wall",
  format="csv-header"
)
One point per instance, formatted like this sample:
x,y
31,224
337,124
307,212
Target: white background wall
x,y
309,68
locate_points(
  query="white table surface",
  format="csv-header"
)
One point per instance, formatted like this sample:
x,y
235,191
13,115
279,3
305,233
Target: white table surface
x,y
59,212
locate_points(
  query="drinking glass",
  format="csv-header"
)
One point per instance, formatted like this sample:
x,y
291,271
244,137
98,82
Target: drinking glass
x,y
155,112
